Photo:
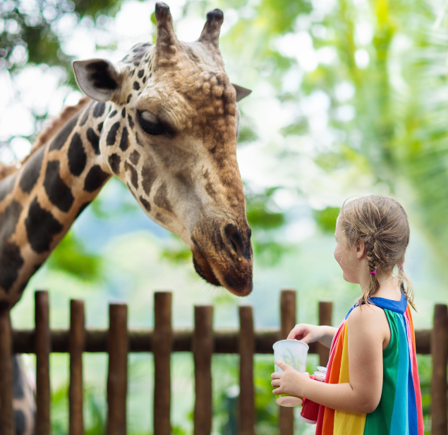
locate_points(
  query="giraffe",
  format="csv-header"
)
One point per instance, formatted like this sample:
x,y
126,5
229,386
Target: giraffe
x,y
165,121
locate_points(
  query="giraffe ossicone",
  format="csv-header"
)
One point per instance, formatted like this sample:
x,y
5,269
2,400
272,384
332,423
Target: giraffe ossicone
x,y
165,121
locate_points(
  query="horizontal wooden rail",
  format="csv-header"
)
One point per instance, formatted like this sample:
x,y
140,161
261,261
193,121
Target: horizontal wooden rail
x,y
140,340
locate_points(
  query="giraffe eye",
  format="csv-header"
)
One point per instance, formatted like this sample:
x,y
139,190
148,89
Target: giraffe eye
x,y
149,122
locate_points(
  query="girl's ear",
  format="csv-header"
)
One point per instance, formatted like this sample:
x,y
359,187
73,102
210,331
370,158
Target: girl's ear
x,y
360,249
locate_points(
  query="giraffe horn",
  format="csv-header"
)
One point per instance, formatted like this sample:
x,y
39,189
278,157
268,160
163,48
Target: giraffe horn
x,y
166,44
212,27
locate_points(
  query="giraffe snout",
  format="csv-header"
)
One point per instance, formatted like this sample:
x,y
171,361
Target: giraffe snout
x,y
223,257
236,242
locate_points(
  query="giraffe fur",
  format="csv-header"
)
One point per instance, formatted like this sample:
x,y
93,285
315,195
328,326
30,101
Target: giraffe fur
x,y
164,120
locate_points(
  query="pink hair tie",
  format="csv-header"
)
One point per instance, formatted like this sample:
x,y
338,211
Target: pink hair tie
x,y
372,272
400,266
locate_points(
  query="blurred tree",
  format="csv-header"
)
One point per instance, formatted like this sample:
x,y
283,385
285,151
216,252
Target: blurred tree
x,y
28,32
71,257
326,219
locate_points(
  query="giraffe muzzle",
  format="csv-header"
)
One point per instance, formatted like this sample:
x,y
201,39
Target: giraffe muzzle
x,y
224,258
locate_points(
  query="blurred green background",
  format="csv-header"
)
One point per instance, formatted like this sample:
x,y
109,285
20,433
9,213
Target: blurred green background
x,y
349,98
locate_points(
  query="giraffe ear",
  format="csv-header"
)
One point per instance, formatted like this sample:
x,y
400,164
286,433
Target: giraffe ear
x,y
97,78
241,92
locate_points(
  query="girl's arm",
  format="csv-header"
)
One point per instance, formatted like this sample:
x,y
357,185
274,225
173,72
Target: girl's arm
x,y
328,333
368,331
311,333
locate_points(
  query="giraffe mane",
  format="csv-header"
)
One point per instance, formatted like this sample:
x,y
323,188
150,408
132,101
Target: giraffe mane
x,y
45,135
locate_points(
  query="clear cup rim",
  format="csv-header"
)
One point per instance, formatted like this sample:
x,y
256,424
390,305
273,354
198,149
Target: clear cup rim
x,y
291,341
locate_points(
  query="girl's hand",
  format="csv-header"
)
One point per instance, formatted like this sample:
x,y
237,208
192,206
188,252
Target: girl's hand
x,y
306,333
290,381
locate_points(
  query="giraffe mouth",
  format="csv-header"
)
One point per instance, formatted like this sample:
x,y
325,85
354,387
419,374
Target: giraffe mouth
x,y
204,270
236,277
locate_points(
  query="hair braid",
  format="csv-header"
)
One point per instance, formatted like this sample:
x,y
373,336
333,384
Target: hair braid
x,y
372,259
406,289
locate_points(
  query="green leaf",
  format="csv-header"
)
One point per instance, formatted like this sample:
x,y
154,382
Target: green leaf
x,y
326,219
71,257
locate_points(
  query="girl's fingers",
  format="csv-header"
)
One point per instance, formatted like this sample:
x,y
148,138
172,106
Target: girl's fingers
x,y
295,332
275,383
277,391
276,375
299,332
282,365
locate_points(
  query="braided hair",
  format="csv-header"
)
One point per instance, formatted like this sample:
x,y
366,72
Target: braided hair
x,y
382,224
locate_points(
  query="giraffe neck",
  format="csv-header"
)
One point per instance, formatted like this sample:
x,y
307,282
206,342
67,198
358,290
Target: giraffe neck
x,y
40,202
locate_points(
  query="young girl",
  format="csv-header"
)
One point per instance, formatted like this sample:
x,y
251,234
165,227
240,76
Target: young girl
x,y
372,384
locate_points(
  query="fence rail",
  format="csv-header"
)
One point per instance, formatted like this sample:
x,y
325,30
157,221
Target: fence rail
x,y
141,340
203,341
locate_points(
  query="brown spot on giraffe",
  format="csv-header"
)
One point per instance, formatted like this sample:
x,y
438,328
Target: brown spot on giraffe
x,y
161,199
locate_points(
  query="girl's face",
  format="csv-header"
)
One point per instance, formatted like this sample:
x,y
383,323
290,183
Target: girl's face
x,y
346,256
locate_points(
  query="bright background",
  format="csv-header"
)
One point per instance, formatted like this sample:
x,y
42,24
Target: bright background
x,y
349,98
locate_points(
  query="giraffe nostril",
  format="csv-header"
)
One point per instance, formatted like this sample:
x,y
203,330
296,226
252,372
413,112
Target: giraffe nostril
x,y
235,239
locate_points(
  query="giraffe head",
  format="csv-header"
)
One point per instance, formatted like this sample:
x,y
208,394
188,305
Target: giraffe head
x,y
170,136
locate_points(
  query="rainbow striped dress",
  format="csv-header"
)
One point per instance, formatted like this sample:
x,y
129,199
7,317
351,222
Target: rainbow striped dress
x,y
400,409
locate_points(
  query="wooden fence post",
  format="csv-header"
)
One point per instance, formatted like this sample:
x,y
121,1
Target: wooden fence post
x,y
439,350
325,314
76,348
117,380
202,354
43,349
162,346
246,348
288,321
7,423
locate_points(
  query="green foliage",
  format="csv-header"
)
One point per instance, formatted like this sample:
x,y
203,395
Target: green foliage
x,y
270,252
71,257
176,251
425,374
121,204
246,134
226,369
299,128
326,219
265,407
265,217
32,28
94,412
59,411
96,422
259,210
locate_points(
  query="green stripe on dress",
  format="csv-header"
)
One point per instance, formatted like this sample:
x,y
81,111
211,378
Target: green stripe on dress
x,y
379,421
400,413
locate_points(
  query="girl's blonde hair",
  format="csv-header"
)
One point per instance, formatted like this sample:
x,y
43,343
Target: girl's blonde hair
x,y
382,224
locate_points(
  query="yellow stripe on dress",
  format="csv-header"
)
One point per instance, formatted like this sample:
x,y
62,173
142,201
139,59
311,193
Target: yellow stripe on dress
x,y
347,423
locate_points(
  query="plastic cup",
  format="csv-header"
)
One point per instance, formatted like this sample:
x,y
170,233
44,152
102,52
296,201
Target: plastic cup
x,y
293,353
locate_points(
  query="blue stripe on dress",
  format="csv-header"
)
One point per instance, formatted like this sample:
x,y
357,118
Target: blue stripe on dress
x,y
388,304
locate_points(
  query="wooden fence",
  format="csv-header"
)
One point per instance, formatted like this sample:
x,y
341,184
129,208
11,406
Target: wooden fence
x,y
202,341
